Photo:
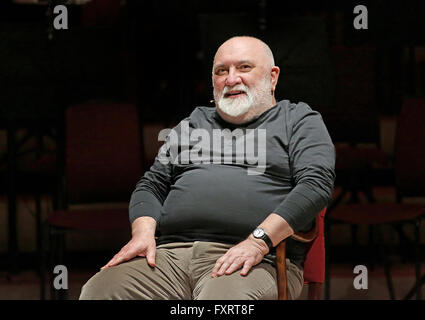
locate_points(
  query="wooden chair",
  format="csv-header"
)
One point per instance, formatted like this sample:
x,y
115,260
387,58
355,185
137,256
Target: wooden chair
x,y
314,264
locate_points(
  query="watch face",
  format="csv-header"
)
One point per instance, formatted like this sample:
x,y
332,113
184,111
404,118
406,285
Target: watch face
x,y
258,233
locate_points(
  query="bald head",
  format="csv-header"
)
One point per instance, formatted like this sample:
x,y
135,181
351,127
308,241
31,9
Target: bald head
x,y
248,43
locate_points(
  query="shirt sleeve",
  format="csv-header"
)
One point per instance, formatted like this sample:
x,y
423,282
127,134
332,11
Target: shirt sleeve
x,y
312,164
152,189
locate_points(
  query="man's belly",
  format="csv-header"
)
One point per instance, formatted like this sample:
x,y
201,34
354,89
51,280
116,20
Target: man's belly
x,y
219,200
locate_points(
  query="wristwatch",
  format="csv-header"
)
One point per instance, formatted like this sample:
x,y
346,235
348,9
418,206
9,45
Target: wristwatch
x,y
259,233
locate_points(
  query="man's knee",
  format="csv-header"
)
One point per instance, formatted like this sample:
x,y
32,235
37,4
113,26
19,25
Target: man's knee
x,y
108,284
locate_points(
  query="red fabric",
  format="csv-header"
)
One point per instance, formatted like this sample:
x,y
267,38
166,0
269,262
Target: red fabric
x,y
314,265
103,152
92,220
100,12
410,149
354,72
46,164
103,164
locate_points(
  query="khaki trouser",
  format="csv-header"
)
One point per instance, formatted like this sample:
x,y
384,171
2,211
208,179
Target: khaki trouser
x,y
183,272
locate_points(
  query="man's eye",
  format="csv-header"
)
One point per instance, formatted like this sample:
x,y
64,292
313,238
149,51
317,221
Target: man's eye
x,y
220,71
245,67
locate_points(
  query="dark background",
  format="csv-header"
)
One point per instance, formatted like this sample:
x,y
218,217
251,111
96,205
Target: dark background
x,y
158,55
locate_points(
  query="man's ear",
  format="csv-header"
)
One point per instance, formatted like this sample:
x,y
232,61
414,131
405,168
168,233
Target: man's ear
x,y
274,76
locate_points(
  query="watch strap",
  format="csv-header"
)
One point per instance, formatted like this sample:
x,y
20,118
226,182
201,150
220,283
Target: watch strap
x,y
266,238
268,241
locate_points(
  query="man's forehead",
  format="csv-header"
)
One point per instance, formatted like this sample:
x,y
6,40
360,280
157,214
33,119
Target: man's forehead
x,y
240,49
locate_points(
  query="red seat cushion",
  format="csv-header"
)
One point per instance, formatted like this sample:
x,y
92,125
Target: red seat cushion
x,y
99,220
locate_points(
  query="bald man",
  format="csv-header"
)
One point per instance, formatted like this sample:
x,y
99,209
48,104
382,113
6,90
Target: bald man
x,y
227,186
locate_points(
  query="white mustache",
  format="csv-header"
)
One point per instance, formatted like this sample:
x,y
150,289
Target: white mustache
x,y
239,87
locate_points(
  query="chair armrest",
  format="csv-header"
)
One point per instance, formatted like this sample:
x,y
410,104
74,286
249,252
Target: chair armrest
x,y
282,280
306,237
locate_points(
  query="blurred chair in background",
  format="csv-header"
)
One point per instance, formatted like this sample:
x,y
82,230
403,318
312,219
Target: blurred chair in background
x,y
27,167
103,162
410,182
354,125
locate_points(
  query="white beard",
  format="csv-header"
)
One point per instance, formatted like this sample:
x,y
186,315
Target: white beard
x,y
258,97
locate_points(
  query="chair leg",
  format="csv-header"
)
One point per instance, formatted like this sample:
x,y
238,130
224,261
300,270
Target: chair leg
x,y
387,266
38,224
418,258
40,245
53,257
57,244
282,280
314,291
61,293
52,251
420,281
405,243
327,259
387,269
418,285
372,247
43,261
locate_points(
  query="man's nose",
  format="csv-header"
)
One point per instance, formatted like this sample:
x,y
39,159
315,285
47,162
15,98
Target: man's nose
x,y
233,79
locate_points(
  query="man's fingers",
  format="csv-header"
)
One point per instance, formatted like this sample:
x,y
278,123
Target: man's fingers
x,y
233,267
246,267
150,257
223,264
217,266
223,268
227,267
237,264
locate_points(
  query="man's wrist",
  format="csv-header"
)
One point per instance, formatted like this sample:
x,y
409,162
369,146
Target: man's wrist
x,y
261,244
260,233
144,225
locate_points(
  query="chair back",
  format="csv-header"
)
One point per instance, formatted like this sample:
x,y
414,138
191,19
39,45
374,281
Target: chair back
x,y
102,152
314,264
410,149
355,102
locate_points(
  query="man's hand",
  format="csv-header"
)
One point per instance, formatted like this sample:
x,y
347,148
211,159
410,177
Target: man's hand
x,y
244,255
142,243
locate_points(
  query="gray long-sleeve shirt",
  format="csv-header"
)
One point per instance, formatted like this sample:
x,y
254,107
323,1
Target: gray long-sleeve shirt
x,y
215,181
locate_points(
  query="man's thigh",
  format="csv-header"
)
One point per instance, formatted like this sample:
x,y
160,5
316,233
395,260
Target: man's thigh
x,y
259,284
135,279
